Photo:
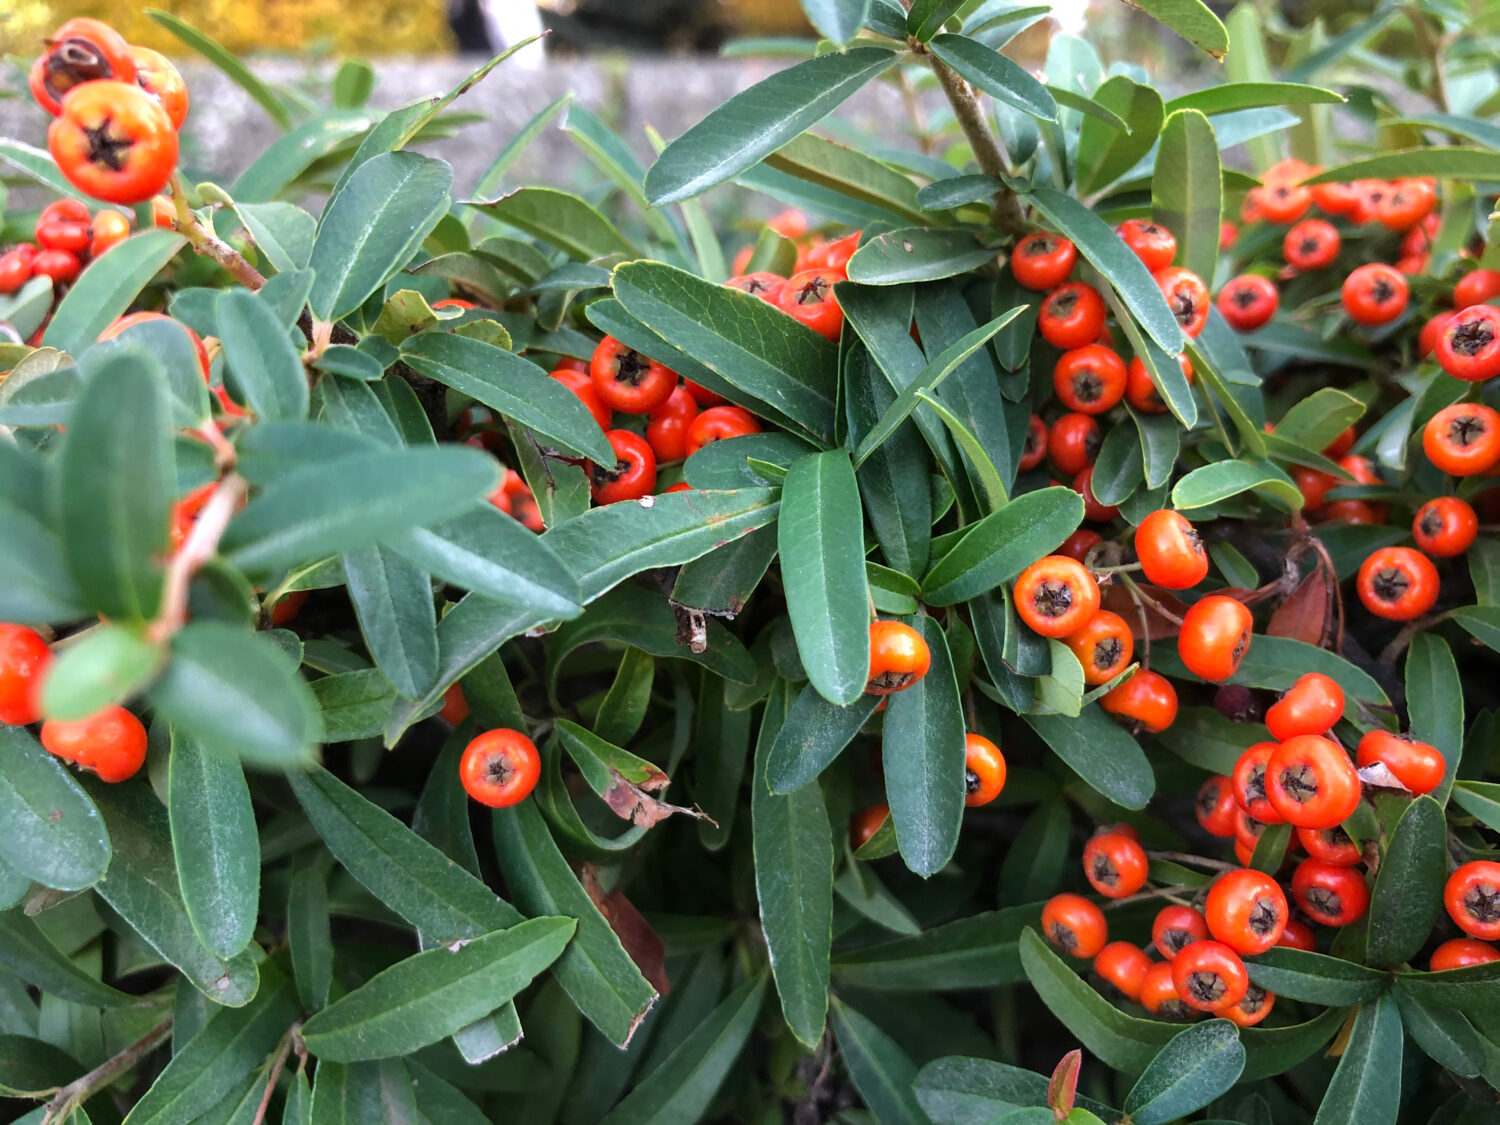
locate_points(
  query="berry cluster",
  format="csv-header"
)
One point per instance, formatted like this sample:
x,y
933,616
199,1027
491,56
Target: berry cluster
x,y
66,238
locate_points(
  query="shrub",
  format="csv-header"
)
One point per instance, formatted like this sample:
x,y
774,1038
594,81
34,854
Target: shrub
x,y
834,761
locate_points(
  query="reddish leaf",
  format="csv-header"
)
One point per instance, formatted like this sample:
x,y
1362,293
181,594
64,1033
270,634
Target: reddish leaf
x,y
1306,615
634,803
1062,1087
641,942
1117,599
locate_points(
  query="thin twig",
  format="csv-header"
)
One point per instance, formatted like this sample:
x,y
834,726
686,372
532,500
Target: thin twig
x,y
202,544
281,1055
1134,588
1193,860
205,242
80,1090
1140,608
1408,632
987,152
1173,892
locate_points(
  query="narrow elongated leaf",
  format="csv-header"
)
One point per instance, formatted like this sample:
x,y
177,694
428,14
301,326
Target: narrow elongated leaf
x,y
822,527
756,122
1101,752
922,751
107,287
1001,545
1193,20
814,734
1319,418
25,951
214,843
53,833
393,602
1315,977
238,692
850,173
371,228
115,474
315,511
1189,201
428,997
225,60
595,970
514,387
568,222
1447,164
368,1093
1407,897
881,1071
1446,1036
897,501
265,370
681,1087
142,887
979,951
971,1091
916,254
1192,1070
1213,484
309,937
1105,153
1230,96
1366,1087
1435,697
997,75
794,884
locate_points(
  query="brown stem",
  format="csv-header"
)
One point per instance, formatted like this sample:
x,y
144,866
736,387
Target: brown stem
x,y
80,1090
1409,631
1193,860
202,544
1174,893
1007,210
1135,589
205,242
1140,608
281,1054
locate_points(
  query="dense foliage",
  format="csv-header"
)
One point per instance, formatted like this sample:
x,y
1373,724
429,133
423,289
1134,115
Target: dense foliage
x,y
843,764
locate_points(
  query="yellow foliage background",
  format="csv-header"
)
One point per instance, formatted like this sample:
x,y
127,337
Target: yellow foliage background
x,y
372,27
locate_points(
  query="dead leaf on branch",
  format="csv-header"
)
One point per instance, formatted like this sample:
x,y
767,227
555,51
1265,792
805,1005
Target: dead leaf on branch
x,y
633,801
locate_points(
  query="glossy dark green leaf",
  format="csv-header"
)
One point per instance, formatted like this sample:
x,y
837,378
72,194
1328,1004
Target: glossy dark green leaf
x,y
821,525
1194,21
1106,153
1189,201
1275,663
1215,483
880,1070
740,338
1001,545
1315,977
1118,468
142,887
958,1090
922,751
1435,700
1319,418
897,501
682,1086
1366,1086
26,951
431,995
1407,897
794,884
114,479
756,122
1101,752
238,692
514,387
722,581
372,226
53,833
979,951
814,734
393,602
1197,1066
568,222
214,843
34,582
595,970
107,288
1228,97
368,1093
31,1068
721,740
996,74
916,254
309,937
1446,1036
1448,164
849,172
317,510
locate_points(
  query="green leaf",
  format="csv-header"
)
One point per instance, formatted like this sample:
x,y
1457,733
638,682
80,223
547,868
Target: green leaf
x,y
1435,703
1482,622
31,1068
1197,1066
237,72
309,939
566,221
595,970
1445,163
214,843
27,953
239,693
141,886
1275,663
606,545
1118,1040
1189,202
1366,1087
1104,153
722,581
514,387
34,584
738,337
1217,482
851,173
1227,97
1118,469
997,75
319,509
107,288
114,477
283,232
170,345
1101,752
822,527
880,1070
37,163
1318,419
1315,977
1119,265
53,833
979,951
794,884
1479,799
105,666
971,1091
393,603
998,547
1446,1036
897,501
814,734
922,751
682,1086
1407,898
926,17
429,996
916,254
370,1093
265,370
1193,20
372,227
721,743
758,121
